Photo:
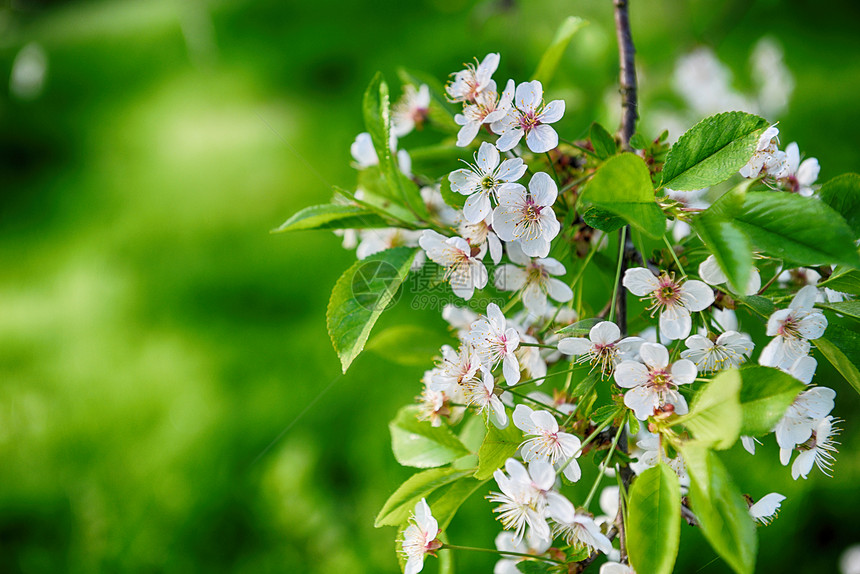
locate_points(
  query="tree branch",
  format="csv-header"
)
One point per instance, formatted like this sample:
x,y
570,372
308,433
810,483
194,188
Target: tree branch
x,y
626,53
629,115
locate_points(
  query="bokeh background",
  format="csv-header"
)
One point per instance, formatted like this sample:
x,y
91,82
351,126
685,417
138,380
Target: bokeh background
x,y
169,398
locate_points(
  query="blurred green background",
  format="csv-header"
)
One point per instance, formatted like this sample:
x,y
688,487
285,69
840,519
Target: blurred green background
x,y
169,398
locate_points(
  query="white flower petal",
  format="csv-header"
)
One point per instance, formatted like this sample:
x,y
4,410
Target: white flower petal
x,y
552,112
696,295
542,138
675,322
574,346
654,355
640,281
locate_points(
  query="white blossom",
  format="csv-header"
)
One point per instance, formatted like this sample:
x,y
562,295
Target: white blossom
x,y
749,442
767,159
528,498
487,107
529,117
419,538
817,451
792,329
673,299
480,234
480,393
730,350
456,368
545,442
653,383
411,110
581,531
765,510
471,81
796,425
373,241
795,176
495,343
710,272
604,347
527,217
481,181
615,568
464,271
535,277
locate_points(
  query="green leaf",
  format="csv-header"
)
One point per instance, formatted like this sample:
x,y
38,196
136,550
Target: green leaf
x,y
766,393
377,121
401,504
601,219
730,246
720,509
551,58
622,186
498,446
332,216
603,143
360,296
654,520
844,279
712,151
580,328
473,432
420,444
847,308
841,348
410,345
761,305
452,198
715,416
534,567
843,195
799,229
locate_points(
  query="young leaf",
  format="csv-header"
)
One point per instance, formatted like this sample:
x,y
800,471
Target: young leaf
x,y
843,195
773,223
332,216
730,246
399,505
360,296
843,279
766,393
716,416
420,444
452,198
601,219
847,308
534,567
712,151
622,186
841,348
445,502
603,143
410,345
654,520
498,446
377,121
720,508
550,59
580,328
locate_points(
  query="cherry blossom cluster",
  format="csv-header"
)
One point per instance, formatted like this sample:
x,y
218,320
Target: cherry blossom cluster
x,y
690,330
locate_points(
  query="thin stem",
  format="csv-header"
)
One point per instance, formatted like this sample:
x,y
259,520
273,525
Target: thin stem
x,y
493,551
575,182
772,279
674,255
512,302
621,256
528,382
552,165
603,467
535,401
540,345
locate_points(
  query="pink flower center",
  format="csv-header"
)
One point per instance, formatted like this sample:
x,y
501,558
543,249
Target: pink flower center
x,y
790,328
528,121
660,380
